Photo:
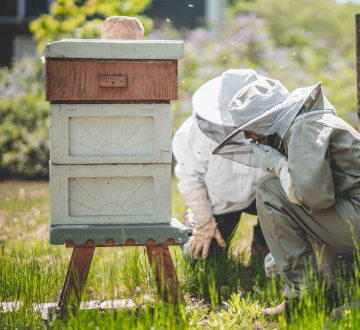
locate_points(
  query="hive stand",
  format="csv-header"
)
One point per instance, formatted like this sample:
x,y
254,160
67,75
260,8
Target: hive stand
x,y
80,262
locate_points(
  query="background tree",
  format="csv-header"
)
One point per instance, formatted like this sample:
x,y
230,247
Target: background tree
x,y
84,19
328,20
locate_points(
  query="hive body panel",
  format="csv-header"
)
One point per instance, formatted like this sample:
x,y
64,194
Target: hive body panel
x,y
110,194
80,80
110,133
98,136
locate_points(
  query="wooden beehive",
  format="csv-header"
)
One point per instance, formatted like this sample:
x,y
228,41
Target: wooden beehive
x,y
110,139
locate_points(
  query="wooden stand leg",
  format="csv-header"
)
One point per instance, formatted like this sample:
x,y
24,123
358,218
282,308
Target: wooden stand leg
x,y
166,277
76,277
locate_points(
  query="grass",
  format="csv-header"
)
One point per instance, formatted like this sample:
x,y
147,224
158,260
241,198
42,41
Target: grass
x,y
228,293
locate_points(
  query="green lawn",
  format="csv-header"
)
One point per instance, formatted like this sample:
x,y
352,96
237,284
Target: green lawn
x,y
225,294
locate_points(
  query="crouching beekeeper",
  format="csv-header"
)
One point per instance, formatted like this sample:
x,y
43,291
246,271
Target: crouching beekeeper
x,y
216,189
307,210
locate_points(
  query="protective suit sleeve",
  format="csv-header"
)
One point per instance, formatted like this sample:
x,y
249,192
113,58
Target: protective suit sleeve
x,y
197,199
191,150
309,165
283,174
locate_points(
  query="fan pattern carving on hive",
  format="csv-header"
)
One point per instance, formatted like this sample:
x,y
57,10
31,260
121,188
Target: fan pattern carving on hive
x,y
115,196
111,136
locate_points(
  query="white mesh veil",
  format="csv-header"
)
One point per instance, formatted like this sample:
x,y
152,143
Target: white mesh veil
x,y
238,150
267,108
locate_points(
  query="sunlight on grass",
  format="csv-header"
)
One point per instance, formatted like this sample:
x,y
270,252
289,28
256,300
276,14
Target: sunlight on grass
x,y
24,211
224,293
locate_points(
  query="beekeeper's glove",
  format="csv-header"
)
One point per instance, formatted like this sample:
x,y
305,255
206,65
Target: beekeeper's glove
x,y
270,266
269,158
205,228
203,234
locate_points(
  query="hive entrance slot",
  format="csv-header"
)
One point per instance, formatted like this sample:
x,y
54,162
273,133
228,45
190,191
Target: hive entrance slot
x,y
113,81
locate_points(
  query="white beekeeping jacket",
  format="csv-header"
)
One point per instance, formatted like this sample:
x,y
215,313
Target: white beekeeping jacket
x,y
231,186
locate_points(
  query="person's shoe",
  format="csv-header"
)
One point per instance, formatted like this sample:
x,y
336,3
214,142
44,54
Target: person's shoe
x,y
289,306
274,310
259,251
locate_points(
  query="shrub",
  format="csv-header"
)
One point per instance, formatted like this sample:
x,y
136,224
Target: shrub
x,y
24,132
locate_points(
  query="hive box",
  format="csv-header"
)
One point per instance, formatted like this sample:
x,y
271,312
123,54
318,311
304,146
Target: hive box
x,y
117,202
110,133
110,140
110,194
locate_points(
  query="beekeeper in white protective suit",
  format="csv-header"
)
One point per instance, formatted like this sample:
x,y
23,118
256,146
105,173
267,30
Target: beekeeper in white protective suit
x,y
307,211
216,189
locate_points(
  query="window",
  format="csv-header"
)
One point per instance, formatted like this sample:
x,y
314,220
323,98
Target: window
x,y
34,8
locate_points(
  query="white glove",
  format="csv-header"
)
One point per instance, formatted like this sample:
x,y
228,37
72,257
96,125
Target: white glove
x,y
270,266
269,158
206,228
203,234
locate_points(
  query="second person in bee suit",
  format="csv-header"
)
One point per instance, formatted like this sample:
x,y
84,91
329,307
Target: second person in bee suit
x,y
308,212
216,189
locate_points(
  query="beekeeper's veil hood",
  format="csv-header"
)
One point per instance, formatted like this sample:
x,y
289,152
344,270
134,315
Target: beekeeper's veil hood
x,y
211,100
265,107
210,104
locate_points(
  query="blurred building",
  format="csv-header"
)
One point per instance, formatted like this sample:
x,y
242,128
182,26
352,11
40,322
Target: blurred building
x,y
15,16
